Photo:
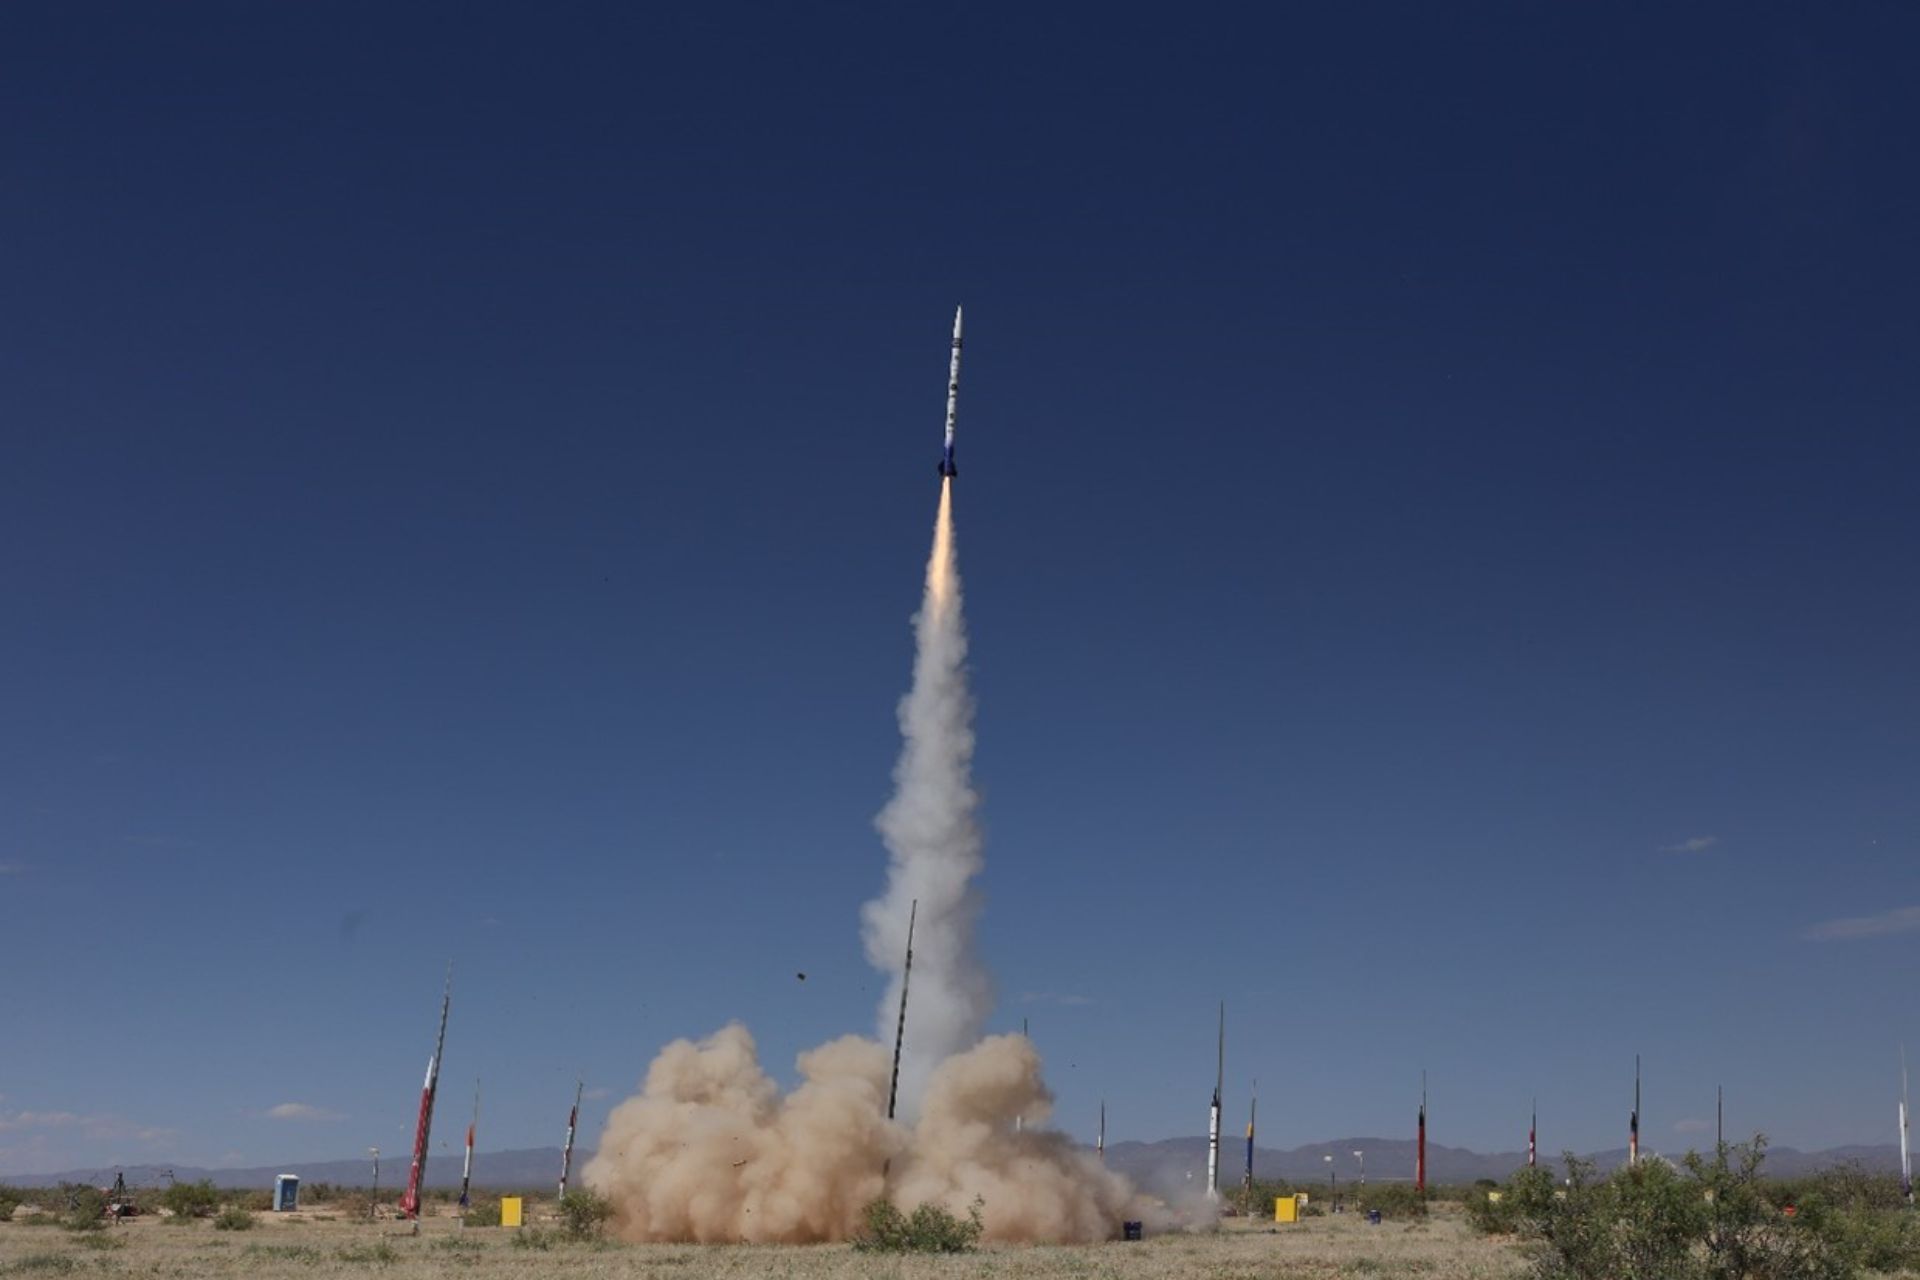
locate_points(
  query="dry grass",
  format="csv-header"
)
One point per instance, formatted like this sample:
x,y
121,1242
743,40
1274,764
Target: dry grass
x,y
303,1247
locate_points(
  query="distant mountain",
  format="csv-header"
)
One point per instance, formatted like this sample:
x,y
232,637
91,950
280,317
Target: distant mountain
x,y
511,1170
1167,1167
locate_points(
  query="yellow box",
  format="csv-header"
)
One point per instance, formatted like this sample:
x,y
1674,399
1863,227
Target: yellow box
x,y
509,1211
1286,1209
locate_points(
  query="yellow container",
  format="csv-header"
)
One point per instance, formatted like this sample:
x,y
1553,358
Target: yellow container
x,y
510,1210
1286,1209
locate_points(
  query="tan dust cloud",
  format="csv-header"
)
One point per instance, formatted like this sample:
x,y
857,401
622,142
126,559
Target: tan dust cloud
x,y
710,1150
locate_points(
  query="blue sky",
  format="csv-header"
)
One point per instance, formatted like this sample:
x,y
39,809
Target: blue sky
x,y
1437,510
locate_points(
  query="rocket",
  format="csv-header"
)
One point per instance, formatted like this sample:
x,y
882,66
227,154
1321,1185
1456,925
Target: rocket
x,y
947,467
1019,1122
1633,1121
466,1169
1906,1158
1100,1143
1253,1111
1533,1126
1213,1114
416,1176
573,1123
1420,1142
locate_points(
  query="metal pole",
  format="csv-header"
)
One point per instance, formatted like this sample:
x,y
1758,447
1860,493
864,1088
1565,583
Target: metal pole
x,y
374,1202
900,1030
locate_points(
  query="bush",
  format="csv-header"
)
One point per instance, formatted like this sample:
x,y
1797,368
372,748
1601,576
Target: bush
x,y
10,1199
1704,1220
191,1199
1392,1199
482,1213
379,1251
1862,1214
234,1218
928,1229
533,1238
583,1213
86,1208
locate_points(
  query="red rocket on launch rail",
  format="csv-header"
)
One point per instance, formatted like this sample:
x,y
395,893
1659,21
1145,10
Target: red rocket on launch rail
x,y
1420,1147
416,1176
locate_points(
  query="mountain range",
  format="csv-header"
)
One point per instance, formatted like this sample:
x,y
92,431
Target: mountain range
x,y
1165,1166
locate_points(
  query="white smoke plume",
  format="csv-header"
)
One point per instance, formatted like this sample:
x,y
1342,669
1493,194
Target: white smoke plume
x,y
710,1151
932,840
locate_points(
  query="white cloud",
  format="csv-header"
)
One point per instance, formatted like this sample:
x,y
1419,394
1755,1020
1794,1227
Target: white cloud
x,y
101,1125
1849,928
301,1111
1694,844
22,1121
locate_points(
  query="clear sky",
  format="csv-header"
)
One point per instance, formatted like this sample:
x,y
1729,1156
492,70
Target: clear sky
x,y
1437,508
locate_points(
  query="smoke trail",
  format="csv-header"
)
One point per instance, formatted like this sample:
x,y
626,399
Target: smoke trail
x,y
932,840
710,1150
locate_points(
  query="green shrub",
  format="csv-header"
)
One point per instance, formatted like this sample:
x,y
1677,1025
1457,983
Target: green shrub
x,y
484,1212
378,1252
583,1213
10,1199
233,1218
290,1252
191,1199
928,1229
86,1208
1702,1220
533,1238
1392,1199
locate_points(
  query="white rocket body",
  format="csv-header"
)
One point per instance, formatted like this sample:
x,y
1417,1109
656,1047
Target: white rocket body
x,y
1906,1156
947,467
1213,1149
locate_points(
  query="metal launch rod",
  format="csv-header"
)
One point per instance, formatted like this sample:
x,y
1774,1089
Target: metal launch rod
x,y
900,1030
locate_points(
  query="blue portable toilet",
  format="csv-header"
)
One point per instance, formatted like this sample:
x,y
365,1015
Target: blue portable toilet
x,y
286,1193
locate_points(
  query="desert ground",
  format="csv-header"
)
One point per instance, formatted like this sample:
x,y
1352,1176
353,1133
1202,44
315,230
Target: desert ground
x,y
309,1245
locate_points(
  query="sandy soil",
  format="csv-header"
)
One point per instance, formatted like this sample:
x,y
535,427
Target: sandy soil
x,y
315,1244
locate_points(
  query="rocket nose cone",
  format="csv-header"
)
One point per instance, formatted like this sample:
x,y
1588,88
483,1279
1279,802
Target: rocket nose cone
x,y
956,322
